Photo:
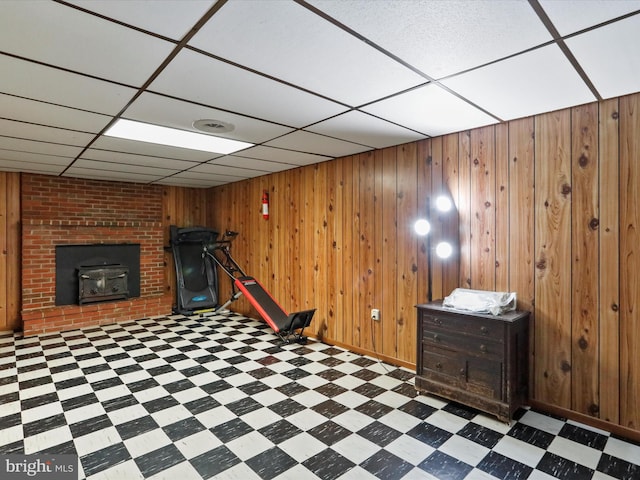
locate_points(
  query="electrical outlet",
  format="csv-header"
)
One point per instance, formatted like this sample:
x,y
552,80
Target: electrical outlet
x,y
375,314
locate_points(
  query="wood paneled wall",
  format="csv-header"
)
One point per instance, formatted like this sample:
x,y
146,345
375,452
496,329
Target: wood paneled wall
x,y
340,238
547,206
10,286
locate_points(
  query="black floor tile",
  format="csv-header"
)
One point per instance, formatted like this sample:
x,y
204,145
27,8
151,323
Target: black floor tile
x,y
328,464
386,466
158,460
441,465
503,467
271,463
563,468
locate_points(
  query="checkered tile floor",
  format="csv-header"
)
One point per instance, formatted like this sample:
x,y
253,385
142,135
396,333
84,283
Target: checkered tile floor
x,y
217,397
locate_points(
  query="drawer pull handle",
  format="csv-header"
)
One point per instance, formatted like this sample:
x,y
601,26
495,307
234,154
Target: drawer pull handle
x,y
436,337
483,348
462,371
437,321
438,365
484,329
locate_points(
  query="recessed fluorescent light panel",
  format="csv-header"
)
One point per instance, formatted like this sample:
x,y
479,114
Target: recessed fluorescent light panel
x,y
145,132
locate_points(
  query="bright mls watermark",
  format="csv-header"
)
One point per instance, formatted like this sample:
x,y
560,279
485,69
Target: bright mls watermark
x,y
49,467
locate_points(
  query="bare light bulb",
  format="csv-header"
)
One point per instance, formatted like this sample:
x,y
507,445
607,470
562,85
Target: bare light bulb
x,y
443,203
444,250
422,227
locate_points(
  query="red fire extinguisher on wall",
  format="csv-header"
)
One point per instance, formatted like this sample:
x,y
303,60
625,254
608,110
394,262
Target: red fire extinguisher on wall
x,y
265,205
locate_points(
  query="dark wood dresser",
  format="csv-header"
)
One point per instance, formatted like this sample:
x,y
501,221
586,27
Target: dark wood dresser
x,y
478,360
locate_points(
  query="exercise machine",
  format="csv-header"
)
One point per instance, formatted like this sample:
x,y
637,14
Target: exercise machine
x,y
196,274
288,326
198,253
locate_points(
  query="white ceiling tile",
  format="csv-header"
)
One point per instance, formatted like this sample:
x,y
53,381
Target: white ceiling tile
x,y
31,146
614,71
235,171
319,144
151,149
87,43
121,167
22,109
539,81
365,129
28,131
210,176
570,16
169,18
204,80
288,41
159,110
140,160
30,167
31,157
188,182
51,85
252,163
431,110
442,37
109,175
280,155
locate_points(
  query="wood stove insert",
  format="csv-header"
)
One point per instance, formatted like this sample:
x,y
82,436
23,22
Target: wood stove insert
x,y
71,260
100,283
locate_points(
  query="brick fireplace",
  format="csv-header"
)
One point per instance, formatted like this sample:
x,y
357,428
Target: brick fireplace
x,y
64,211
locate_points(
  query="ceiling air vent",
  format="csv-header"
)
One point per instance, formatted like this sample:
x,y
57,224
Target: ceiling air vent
x,y
213,126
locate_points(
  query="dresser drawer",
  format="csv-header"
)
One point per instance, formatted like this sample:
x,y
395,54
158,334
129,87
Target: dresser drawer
x,y
469,345
446,363
476,326
478,377
449,370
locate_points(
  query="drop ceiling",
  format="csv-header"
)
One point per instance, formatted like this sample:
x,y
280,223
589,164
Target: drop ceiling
x,y
303,81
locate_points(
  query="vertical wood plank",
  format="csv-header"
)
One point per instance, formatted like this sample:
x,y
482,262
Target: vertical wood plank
x,y
553,258
366,253
333,265
407,284
584,254
502,208
281,253
298,259
390,258
482,217
13,232
451,180
320,298
349,231
464,207
4,233
425,162
379,251
355,282
307,233
522,213
522,226
630,261
337,328
438,231
609,288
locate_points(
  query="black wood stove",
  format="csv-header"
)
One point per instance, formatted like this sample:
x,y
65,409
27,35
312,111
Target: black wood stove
x,y
100,283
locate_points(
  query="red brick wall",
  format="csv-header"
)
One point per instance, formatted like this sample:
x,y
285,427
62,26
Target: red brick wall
x,y
67,211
